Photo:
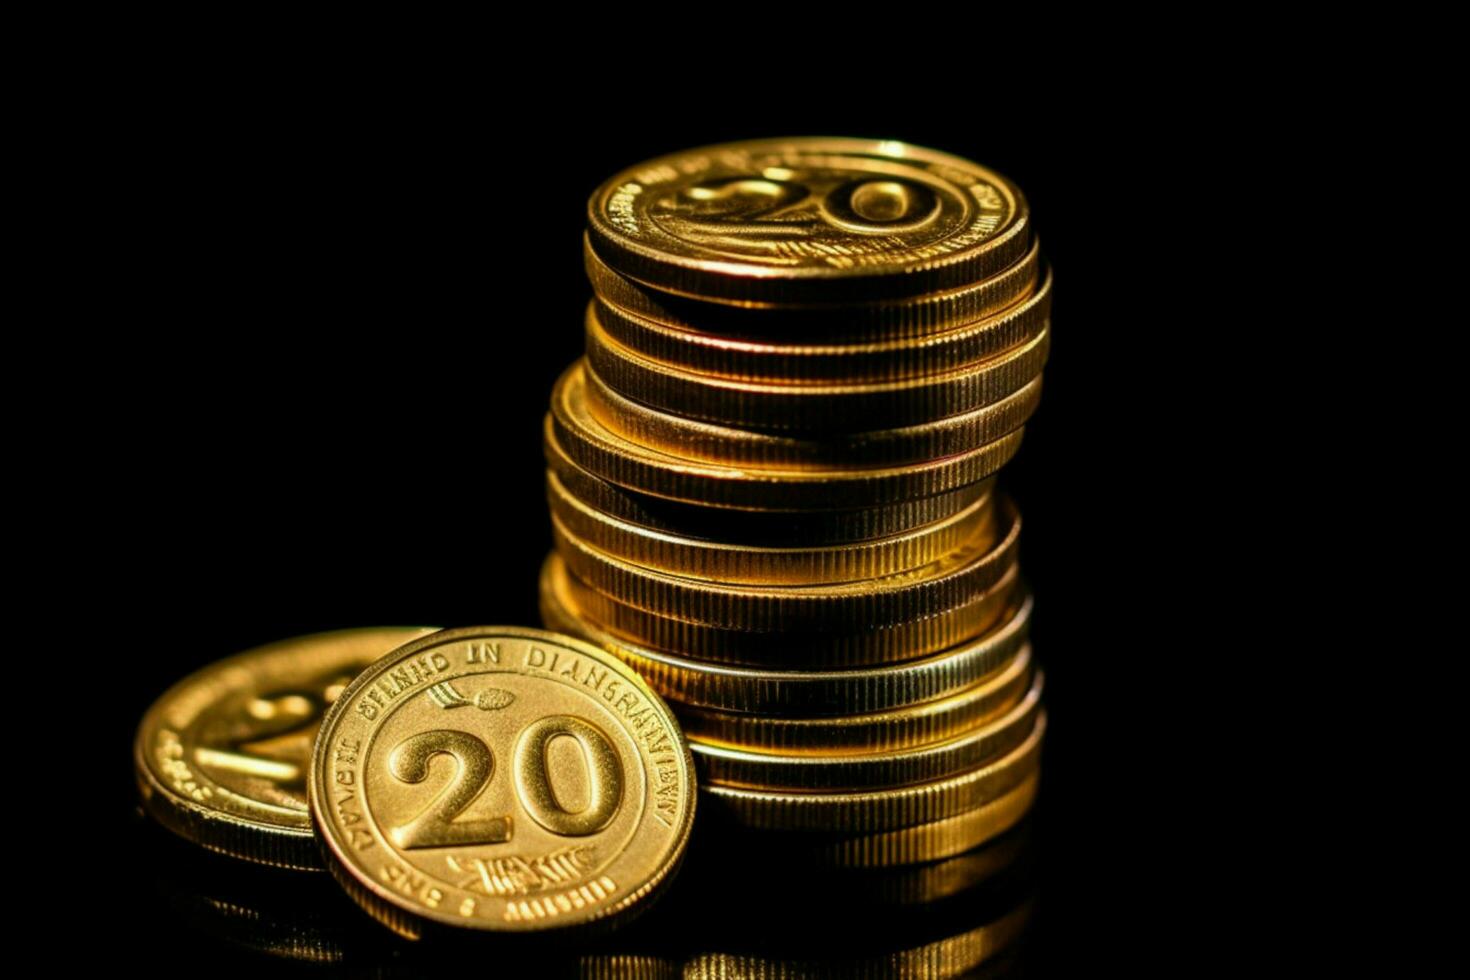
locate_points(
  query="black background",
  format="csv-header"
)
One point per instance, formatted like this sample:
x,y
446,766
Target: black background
x,y
342,316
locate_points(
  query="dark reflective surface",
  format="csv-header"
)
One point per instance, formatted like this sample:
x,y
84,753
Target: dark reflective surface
x,y
737,908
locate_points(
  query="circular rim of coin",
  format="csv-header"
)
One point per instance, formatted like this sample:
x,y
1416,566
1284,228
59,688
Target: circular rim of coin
x,y
411,917
818,406
728,445
772,360
756,526
607,455
912,317
993,232
270,835
718,561
945,583
840,736
801,693
884,769
871,811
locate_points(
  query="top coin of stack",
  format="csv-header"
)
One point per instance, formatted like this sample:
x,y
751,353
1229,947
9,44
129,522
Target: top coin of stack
x,y
771,481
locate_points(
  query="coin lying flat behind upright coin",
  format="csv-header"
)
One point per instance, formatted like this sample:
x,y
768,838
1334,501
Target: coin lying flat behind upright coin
x,y
503,779
221,757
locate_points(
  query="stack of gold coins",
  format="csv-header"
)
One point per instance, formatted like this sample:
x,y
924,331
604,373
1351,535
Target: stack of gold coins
x,y
771,482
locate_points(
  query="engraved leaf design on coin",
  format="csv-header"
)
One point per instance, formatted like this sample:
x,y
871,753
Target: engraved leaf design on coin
x,y
445,695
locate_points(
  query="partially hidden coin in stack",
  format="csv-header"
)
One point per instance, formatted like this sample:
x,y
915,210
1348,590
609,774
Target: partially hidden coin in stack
x,y
772,483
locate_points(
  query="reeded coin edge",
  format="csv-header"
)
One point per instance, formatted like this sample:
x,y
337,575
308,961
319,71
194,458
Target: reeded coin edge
x,y
754,690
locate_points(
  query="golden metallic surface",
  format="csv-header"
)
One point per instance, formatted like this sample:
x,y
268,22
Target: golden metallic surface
x,y
221,757
822,773
951,956
501,779
837,736
873,811
735,446
607,455
758,526
808,219
814,407
777,360
951,581
932,841
769,695
909,318
834,646
741,563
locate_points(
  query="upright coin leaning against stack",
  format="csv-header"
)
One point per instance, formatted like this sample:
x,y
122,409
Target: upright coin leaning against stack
x,y
771,482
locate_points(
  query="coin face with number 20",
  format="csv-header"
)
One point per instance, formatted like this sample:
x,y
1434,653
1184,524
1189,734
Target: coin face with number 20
x,y
501,778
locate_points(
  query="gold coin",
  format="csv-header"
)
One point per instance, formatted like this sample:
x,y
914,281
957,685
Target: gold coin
x,y
808,219
813,407
503,779
221,757
743,768
950,956
735,446
833,646
886,359
836,736
923,489
932,841
908,318
872,811
757,694
946,583
758,527
742,563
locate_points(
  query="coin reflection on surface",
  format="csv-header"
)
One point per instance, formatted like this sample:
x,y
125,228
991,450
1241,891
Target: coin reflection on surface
x,y
768,911
274,912
741,907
